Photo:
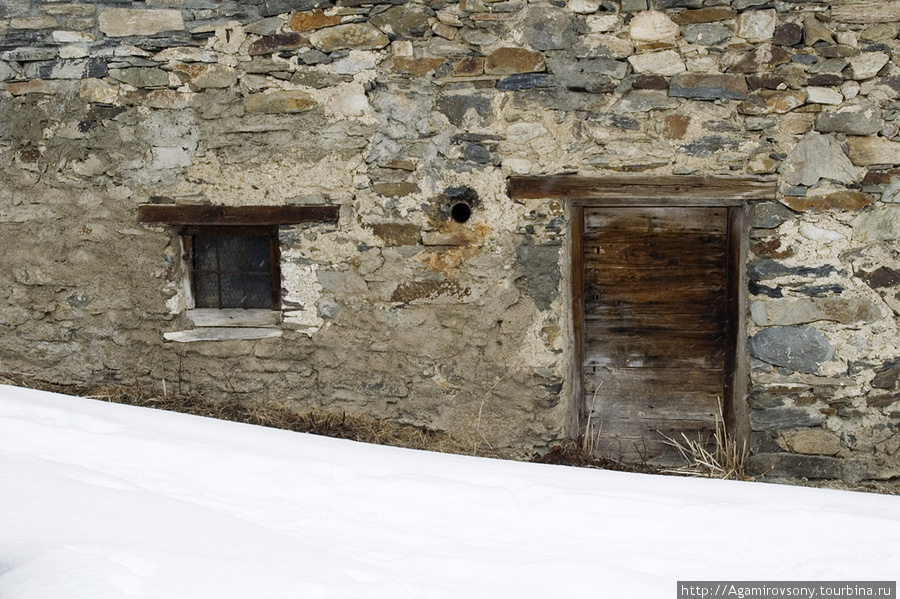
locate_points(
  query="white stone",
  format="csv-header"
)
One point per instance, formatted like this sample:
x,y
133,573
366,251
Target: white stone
x,y
186,54
653,25
221,334
351,66
615,46
665,63
166,158
72,51
847,38
403,48
603,23
756,25
584,7
815,233
99,91
520,133
823,95
850,89
121,22
867,64
89,167
72,37
519,166
349,104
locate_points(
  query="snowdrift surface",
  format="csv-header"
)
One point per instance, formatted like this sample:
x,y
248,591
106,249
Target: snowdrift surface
x,y
101,500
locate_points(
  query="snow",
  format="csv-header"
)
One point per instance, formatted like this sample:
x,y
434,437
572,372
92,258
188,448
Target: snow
x,y
102,500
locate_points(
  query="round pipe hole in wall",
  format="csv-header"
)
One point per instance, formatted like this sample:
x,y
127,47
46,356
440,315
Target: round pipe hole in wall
x,y
460,212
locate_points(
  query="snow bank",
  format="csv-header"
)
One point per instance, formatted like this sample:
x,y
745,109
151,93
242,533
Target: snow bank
x,y
102,500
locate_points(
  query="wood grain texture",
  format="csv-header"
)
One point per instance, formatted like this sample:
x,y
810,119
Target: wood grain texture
x,y
631,191
236,215
655,313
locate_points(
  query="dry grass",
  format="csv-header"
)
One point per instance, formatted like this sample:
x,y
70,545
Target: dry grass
x,y
340,424
725,460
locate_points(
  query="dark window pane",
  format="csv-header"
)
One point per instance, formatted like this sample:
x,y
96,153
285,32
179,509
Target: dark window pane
x,y
232,290
205,252
256,253
259,292
206,291
230,252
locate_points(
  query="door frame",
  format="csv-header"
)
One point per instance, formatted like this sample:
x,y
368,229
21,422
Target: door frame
x,y
734,193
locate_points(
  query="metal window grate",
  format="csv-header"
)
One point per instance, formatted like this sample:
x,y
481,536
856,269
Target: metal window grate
x,y
233,270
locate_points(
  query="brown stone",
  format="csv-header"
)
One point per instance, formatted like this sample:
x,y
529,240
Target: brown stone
x,y
788,34
838,200
279,102
755,82
397,233
811,441
675,126
769,101
352,36
694,85
277,43
204,76
882,401
764,58
826,80
796,123
395,190
657,82
312,19
865,151
876,178
428,290
509,61
415,66
468,67
772,249
704,15
35,86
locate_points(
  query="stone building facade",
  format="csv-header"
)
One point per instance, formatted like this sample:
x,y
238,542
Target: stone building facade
x,y
377,143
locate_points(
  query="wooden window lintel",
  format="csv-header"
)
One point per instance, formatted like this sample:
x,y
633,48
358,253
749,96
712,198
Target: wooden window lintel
x,y
170,214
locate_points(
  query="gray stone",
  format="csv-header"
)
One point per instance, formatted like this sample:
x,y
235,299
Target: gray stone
x,y
352,36
860,118
692,85
769,215
789,311
268,26
467,110
29,54
540,269
644,100
760,270
6,71
318,79
547,27
348,283
778,418
406,20
634,5
791,465
706,34
879,224
122,22
834,65
271,8
141,77
817,157
704,147
759,123
799,348
477,153
328,308
522,81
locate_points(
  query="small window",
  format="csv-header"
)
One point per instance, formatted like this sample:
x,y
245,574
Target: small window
x,y
234,267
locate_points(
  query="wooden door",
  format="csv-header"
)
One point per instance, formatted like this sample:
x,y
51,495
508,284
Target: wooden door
x,y
655,339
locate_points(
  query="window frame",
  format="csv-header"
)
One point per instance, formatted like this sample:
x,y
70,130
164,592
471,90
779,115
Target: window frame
x,y
187,234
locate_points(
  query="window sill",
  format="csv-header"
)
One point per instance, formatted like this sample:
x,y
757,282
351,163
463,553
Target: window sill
x,y
225,325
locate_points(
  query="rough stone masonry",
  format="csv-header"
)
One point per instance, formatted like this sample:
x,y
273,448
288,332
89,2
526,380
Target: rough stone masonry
x,y
395,110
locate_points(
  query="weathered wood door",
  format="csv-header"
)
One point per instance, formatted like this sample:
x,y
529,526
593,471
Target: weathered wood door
x,y
656,326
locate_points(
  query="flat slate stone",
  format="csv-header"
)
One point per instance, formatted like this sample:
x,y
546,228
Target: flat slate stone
x,y
644,100
761,270
799,348
773,419
706,34
817,157
122,22
522,81
711,87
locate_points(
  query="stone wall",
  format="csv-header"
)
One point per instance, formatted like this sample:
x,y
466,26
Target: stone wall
x,y
394,111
